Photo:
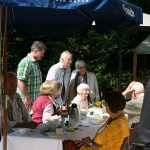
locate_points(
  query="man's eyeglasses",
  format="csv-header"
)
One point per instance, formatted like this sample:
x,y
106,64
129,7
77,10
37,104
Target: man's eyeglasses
x,y
82,67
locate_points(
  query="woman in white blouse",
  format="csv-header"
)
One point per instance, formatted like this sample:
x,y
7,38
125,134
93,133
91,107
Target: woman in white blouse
x,y
81,98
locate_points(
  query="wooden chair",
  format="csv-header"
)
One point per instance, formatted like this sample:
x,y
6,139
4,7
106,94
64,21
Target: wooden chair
x,y
125,145
132,142
136,144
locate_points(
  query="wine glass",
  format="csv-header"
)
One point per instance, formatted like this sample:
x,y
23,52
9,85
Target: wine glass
x,y
104,106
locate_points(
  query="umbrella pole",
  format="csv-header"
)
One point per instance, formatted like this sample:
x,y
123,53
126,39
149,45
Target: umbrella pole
x,y
5,83
120,60
0,71
5,129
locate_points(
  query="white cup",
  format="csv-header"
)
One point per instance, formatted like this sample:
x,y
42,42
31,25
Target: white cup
x,y
60,131
22,130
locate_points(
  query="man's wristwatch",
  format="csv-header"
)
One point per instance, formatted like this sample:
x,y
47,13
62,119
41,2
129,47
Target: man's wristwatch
x,y
91,143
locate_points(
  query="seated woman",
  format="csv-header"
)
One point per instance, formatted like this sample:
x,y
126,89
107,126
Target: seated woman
x,y
116,129
81,98
44,107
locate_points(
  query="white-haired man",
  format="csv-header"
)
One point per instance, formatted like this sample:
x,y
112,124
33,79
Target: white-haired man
x,y
134,106
61,72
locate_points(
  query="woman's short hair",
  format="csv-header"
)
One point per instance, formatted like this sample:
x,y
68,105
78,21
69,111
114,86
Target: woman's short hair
x,y
115,101
79,63
82,86
138,87
50,87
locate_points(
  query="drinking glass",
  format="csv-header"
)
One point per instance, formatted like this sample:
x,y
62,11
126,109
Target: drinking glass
x,y
104,107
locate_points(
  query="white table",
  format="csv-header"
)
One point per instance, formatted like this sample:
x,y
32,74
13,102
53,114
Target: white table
x,y
37,141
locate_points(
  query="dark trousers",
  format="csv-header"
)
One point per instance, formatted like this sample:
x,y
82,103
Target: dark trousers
x,y
147,147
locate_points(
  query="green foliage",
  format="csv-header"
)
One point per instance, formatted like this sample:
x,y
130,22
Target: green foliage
x,y
99,51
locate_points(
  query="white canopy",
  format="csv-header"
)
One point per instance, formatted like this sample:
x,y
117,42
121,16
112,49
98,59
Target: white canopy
x,y
146,20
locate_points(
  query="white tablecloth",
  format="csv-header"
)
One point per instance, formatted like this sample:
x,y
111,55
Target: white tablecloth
x,y
37,141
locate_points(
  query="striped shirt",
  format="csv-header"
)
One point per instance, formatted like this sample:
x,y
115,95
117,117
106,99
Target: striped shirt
x,y
29,71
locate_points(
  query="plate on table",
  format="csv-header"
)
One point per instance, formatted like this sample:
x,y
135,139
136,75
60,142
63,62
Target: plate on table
x,y
57,135
84,122
70,129
23,131
96,120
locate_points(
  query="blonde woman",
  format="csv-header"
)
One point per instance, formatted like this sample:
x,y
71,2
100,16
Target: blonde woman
x,y
44,107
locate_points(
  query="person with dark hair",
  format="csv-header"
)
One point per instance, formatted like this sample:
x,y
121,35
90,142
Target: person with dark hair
x,y
29,74
116,127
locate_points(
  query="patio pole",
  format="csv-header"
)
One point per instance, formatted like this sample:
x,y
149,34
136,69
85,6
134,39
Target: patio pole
x,y
5,81
0,53
134,64
0,71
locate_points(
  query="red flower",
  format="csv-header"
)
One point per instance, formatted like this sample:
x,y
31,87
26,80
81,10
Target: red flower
x,y
98,103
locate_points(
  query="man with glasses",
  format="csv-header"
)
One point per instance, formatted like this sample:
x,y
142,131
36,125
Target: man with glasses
x,y
61,72
29,75
81,75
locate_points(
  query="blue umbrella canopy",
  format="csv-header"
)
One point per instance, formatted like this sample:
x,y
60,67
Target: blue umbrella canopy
x,y
116,14
35,21
58,17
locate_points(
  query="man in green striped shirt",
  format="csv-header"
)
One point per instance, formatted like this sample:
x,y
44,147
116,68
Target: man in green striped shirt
x,y
29,75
